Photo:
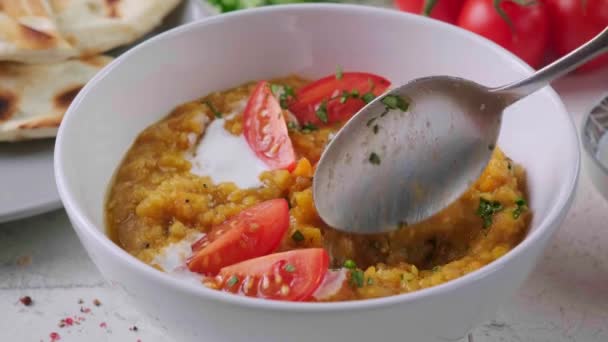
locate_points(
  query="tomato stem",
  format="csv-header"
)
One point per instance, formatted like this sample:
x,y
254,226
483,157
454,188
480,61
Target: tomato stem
x,y
503,15
428,7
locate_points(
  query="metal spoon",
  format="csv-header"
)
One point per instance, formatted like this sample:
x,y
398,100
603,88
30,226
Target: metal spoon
x,y
388,168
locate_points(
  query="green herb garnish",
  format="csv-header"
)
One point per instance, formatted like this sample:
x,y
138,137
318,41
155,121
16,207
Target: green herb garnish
x,y
322,112
374,158
356,278
289,268
292,126
214,110
395,102
276,89
350,264
487,209
370,281
368,97
297,236
232,281
308,127
436,268
521,207
339,73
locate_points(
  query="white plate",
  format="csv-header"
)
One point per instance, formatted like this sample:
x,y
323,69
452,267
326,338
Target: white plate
x,y
27,182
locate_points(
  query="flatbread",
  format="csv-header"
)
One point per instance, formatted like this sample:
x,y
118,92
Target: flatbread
x,y
29,34
47,31
96,26
33,98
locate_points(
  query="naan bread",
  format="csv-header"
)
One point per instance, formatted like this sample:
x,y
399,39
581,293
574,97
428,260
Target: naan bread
x,y
29,34
96,26
33,98
45,31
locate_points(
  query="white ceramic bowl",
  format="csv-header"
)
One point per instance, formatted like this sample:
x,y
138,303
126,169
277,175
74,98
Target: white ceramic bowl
x,y
144,84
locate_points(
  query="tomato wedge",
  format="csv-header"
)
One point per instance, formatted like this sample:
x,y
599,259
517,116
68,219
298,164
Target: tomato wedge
x,y
254,232
292,275
328,91
266,131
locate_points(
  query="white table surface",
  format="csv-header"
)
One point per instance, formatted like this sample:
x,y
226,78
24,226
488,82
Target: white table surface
x,y
565,299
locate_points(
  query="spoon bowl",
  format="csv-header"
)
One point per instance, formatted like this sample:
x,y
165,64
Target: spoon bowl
x,y
413,151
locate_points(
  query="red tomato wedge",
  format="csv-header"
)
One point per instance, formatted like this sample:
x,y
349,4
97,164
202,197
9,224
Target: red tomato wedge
x,y
266,131
254,232
309,98
292,275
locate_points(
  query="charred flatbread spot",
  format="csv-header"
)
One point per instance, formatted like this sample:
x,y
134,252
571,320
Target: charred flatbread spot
x,y
42,123
64,98
37,39
8,105
113,8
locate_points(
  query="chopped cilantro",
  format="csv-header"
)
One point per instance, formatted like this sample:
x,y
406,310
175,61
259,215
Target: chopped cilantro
x,y
487,209
276,89
232,281
370,281
395,102
374,158
322,112
521,207
307,128
339,73
350,264
214,110
289,268
292,126
297,236
368,97
356,278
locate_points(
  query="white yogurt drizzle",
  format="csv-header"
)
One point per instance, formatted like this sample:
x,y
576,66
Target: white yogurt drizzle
x,y
172,259
225,157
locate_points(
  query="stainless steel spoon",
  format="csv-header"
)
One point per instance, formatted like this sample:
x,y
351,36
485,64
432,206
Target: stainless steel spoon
x,y
388,168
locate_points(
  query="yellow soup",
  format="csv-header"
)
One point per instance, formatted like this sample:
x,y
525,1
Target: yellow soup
x,y
155,200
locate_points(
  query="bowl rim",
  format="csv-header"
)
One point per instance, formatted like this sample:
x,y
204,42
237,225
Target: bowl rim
x,y
84,225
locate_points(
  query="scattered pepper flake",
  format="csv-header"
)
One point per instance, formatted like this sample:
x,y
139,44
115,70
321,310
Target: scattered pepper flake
x,y
26,300
133,328
85,310
80,301
103,325
54,336
96,302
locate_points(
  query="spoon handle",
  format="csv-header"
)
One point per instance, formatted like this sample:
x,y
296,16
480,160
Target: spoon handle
x,y
516,91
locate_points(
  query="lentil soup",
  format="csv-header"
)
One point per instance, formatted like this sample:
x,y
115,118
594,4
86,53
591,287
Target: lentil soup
x,y
166,204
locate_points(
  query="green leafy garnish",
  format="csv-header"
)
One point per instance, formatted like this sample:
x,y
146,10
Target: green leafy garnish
x,y
289,268
284,93
321,112
370,281
339,73
356,278
297,236
232,281
374,158
521,207
487,209
435,268
368,97
350,264
292,126
308,127
214,110
395,102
